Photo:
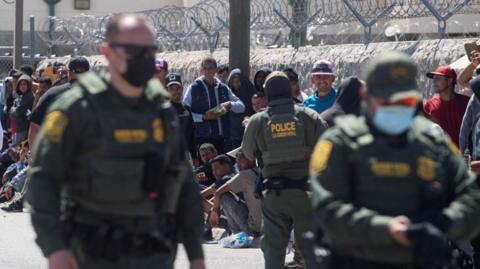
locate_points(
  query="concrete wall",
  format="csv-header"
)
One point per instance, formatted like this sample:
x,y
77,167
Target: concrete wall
x,y
65,9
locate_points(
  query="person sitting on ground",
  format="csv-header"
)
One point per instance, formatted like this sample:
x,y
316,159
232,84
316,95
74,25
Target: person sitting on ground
x,y
223,171
204,172
13,178
242,216
18,183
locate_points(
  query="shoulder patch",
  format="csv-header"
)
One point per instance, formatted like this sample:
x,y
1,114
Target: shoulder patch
x,y
54,126
320,156
93,83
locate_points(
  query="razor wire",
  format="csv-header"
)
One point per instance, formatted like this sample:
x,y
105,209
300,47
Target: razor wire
x,y
274,23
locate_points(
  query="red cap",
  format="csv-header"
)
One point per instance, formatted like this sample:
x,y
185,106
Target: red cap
x,y
446,71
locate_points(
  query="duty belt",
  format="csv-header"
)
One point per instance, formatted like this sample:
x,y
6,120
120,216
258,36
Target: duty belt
x,y
112,239
281,183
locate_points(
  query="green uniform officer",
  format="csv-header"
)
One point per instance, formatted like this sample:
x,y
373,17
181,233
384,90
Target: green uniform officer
x,y
109,151
388,188
282,138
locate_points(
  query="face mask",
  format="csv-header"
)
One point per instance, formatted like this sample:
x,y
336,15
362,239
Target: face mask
x,y
139,70
393,120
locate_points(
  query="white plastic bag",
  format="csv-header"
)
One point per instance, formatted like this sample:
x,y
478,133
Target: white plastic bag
x,y
240,240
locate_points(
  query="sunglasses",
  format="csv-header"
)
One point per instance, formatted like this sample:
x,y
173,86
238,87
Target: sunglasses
x,y
136,51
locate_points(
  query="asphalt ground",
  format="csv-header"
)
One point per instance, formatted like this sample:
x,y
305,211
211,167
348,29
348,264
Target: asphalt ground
x,y
19,251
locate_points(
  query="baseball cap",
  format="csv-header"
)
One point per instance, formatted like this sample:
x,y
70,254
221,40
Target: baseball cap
x,y
322,67
392,76
446,71
173,79
161,64
79,65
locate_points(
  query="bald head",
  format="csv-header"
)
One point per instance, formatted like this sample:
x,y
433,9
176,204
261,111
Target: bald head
x,y
129,29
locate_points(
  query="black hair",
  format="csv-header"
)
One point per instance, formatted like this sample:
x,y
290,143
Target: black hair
x,y
223,68
27,70
208,60
222,159
291,74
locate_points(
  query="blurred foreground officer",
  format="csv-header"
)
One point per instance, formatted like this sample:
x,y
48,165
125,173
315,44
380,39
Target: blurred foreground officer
x,y
388,190
109,150
281,138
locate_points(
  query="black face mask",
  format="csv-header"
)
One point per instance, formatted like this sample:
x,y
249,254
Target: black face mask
x,y
139,70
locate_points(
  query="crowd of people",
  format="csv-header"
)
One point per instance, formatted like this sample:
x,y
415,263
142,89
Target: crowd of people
x,y
214,112
24,99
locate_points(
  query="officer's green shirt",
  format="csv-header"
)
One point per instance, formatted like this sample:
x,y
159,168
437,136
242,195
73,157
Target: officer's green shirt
x,y
75,147
254,142
359,182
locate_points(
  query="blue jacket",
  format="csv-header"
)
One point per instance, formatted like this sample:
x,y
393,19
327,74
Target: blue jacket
x,y
197,98
323,103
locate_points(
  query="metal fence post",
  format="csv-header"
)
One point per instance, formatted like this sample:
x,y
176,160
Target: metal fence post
x,y
367,25
442,20
32,39
295,28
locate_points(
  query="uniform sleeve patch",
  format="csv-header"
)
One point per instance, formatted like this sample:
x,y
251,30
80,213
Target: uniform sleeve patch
x,y
54,126
320,156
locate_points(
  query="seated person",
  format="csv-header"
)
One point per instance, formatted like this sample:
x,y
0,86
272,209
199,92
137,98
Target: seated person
x,y
242,216
204,173
222,170
15,175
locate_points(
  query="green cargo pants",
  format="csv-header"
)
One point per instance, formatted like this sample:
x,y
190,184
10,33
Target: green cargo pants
x,y
137,260
291,208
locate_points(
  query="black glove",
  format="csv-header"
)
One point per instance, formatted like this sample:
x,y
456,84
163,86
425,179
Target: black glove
x,y
430,247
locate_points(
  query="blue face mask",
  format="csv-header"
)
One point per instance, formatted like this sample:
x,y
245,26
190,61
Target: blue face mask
x,y
393,120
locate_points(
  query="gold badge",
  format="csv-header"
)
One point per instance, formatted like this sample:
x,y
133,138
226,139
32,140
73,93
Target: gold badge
x,y
320,156
158,132
130,136
281,130
54,126
426,168
390,169
399,73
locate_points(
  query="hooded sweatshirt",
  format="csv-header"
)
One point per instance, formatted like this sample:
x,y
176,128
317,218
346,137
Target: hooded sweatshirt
x,y
22,104
265,71
245,94
348,101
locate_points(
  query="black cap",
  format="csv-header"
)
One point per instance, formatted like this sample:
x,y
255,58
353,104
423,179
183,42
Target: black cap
x,y
79,65
391,76
173,79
